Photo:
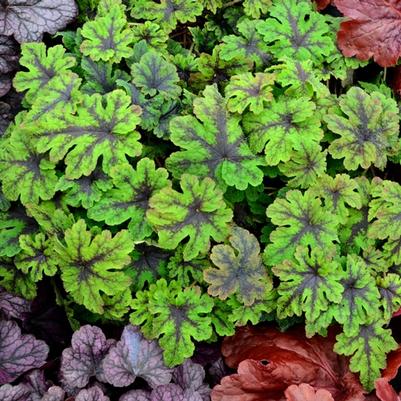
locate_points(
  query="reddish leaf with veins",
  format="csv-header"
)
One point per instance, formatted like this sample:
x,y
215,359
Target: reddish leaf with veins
x,y
384,390
372,29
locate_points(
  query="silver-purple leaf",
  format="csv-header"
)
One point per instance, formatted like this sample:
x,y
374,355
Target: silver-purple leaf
x,y
18,352
190,376
14,393
135,356
54,393
83,359
136,395
91,394
27,20
167,392
9,54
192,395
12,306
36,382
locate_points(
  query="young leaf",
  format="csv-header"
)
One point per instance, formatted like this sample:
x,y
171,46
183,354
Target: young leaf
x,y
302,221
246,90
156,76
133,356
90,265
286,124
214,144
255,8
198,212
84,358
151,33
18,352
107,37
104,126
239,269
309,284
294,29
27,21
368,348
129,199
35,258
369,134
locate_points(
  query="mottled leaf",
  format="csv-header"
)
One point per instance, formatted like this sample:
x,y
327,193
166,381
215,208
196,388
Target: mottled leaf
x,y
92,394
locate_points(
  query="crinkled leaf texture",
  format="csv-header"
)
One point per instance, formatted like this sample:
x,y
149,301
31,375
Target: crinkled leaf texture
x,y
269,362
135,356
372,29
18,352
92,394
28,20
84,358
12,306
305,392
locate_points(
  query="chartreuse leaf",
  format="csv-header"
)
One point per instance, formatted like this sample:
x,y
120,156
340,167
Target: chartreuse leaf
x,y
214,144
286,124
107,37
339,194
368,133
177,317
35,257
91,264
255,8
247,46
368,348
294,29
308,284
103,126
248,90
198,212
129,199
239,269
389,287
302,221
156,76
43,66
151,33
24,173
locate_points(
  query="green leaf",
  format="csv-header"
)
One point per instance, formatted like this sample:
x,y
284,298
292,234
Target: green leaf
x,y
302,221
151,33
156,76
285,125
255,8
369,134
103,126
178,316
367,348
248,90
24,173
214,144
198,212
248,45
389,287
239,269
296,30
107,37
309,284
35,258
91,265
129,199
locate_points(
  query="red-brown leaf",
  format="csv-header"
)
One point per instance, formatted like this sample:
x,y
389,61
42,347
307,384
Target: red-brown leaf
x,y
384,390
270,361
305,392
373,29
322,4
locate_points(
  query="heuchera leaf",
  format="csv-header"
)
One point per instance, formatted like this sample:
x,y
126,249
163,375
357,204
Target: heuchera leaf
x,y
176,315
107,37
199,212
368,348
296,30
21,392
91,264
134,356
103,126
92,394
369,134
305,392
214,144
129,199
18,352
239,269
27,21
84,358
302,221
12,306
384,390
270,361
255,8
371,30
286,124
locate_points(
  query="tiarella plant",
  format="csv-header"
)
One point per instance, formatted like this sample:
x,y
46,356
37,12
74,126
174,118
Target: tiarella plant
x,y
181,168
